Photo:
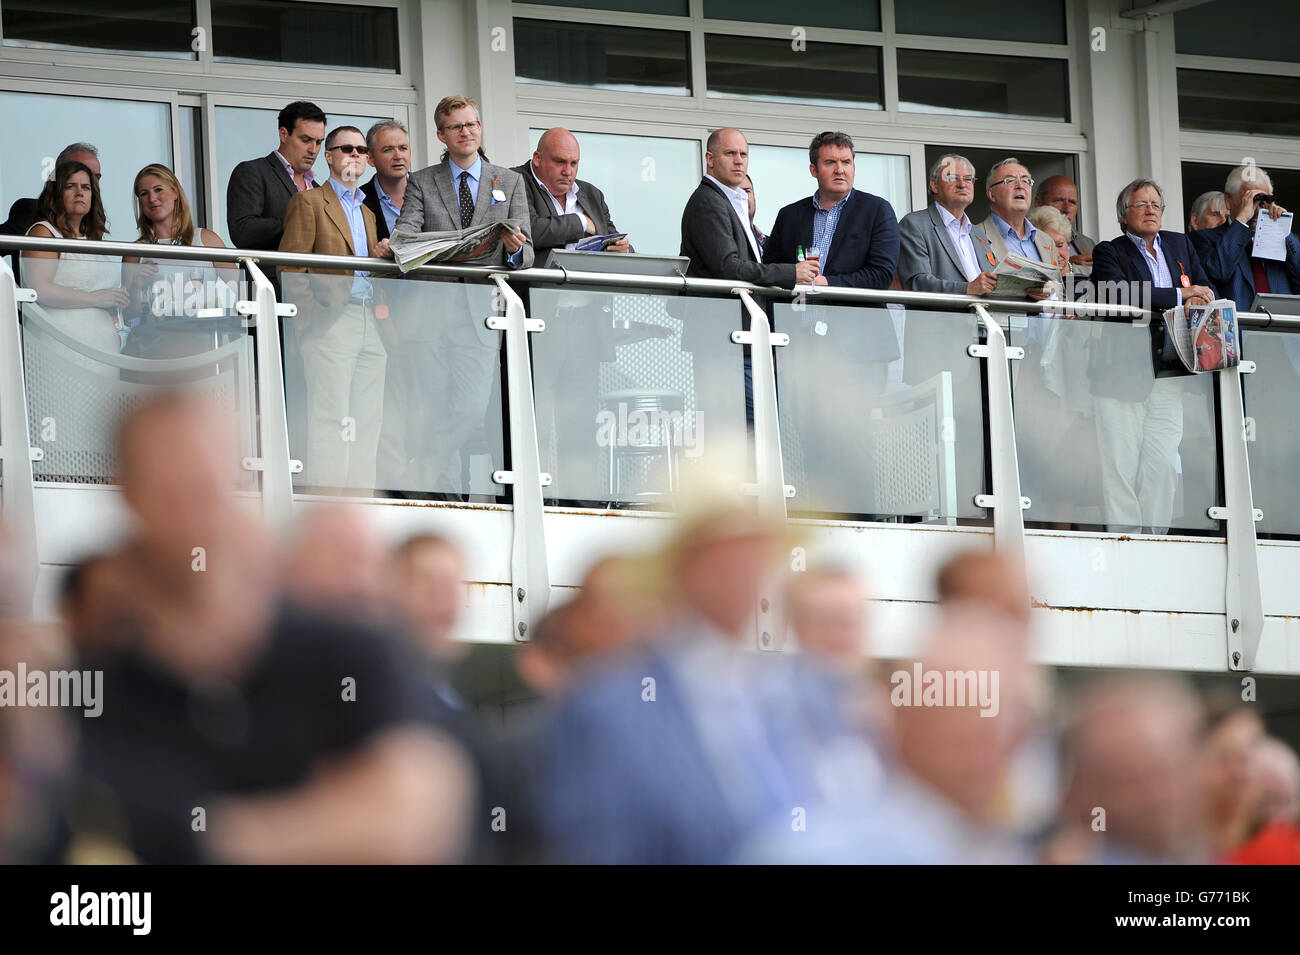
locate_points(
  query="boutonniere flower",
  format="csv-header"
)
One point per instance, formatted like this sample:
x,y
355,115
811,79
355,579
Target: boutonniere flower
x,y
497,194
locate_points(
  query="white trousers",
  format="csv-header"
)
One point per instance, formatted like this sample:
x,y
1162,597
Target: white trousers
x,y
1138,444
344,366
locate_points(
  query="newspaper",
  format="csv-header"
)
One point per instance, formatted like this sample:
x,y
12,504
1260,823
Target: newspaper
x,y
1205,336
1017,275
455,245
598,243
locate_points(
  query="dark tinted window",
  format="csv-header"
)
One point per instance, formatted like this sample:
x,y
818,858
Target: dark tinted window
x,y
1042,21
976,84
160,27
1246,29
858,15
621,58
1239,102
326,35
678,8
828,73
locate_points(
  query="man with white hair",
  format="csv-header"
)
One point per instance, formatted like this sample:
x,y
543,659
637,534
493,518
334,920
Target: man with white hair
x,y
1208,211
1008,228
1228,250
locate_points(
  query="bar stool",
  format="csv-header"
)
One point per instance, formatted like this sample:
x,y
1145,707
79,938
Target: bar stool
x,y
659,410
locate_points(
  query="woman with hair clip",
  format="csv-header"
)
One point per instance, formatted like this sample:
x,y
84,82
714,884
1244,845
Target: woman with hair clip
x,y
81,293
171,288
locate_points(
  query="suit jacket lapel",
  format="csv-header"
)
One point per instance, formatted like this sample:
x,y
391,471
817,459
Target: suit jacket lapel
x,y
444,179
945,239
486,175
278,168
334,209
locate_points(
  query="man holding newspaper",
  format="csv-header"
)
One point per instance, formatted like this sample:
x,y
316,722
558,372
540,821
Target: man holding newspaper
x,y
465,209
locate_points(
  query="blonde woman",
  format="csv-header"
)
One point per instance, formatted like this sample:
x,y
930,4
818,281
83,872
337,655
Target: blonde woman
x,y
178,286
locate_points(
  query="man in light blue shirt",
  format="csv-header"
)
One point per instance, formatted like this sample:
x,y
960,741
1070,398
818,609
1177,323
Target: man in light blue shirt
x,y
390,155
336,331
1008,228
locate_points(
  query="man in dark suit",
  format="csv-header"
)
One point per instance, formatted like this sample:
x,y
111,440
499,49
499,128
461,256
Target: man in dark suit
x,y
1227,250
259,191
564,208
716,233
855,233
390,156
1137,377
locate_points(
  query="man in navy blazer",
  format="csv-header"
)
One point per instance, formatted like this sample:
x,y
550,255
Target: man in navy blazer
x,y
1136,376
1227,250
855,232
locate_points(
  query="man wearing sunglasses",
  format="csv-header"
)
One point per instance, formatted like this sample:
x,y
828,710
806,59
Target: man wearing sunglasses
x,y
344,359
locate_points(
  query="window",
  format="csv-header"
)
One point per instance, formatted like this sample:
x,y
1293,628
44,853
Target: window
x,y
780,176
288,32
1239,102
1242,29
680,8
158,28
244,133
972,84
1040,22
612,58
646,182
128,134
823,74
859,15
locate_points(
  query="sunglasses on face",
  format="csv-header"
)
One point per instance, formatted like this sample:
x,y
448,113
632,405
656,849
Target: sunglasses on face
x,y
348,149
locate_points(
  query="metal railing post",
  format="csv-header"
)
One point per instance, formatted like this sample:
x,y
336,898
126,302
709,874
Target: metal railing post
x,y
272,422
15,444
529,575
1243,598
1005,499
769,469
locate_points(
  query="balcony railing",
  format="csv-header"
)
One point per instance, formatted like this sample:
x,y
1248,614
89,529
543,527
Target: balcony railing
x,y
552,388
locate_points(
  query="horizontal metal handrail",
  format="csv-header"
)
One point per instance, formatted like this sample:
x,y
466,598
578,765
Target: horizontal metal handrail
x,y
675,284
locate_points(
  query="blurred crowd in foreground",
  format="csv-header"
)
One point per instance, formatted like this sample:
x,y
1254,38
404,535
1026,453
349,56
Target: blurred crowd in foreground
x,y
266,701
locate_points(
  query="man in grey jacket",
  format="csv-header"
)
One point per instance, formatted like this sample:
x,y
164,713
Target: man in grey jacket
x,y
941,250
465,190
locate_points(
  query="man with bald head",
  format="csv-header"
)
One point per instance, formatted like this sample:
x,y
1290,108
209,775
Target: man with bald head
x,y
564,208
716,232
1061,193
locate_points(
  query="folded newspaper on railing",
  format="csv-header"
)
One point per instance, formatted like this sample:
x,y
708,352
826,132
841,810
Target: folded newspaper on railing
x,y
1205,336
454,245
599,243
1017,275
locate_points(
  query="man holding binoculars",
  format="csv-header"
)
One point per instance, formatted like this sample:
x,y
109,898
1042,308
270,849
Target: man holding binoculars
x,y
1227,251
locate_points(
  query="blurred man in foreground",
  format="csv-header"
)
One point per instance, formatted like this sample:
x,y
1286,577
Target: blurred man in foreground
x,y
236,729
1130,753
1275,807
675,753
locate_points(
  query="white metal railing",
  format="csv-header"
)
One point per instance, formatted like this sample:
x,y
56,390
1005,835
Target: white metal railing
x,y
529,571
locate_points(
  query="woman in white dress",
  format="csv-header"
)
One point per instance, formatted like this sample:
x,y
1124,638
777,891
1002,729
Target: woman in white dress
x,y
81,293
163,288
